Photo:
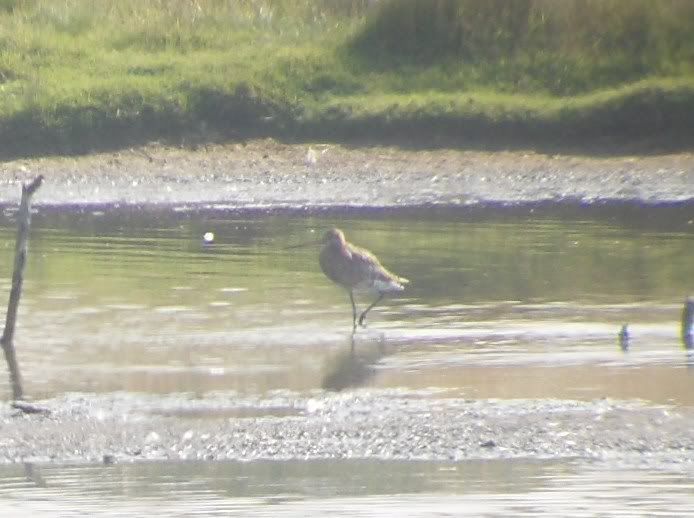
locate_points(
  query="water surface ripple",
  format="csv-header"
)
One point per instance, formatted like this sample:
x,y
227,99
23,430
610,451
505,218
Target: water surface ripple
x,y
507,332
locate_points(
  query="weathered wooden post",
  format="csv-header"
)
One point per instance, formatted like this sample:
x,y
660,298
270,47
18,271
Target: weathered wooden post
x,y
23,223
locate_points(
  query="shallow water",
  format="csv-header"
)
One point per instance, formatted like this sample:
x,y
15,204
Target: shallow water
x,y
502,304
344,488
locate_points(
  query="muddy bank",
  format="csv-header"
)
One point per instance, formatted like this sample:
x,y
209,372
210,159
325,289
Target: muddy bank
x,y
363,424
266,173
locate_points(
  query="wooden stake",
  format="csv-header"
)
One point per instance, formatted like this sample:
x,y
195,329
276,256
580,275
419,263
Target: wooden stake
x,y
20,257
687,323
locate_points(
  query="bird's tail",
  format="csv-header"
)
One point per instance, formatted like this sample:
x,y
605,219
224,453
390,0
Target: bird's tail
x,y
399,283
390,284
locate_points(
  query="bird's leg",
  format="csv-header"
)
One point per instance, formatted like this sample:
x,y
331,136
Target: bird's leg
x,y
363,315
354,311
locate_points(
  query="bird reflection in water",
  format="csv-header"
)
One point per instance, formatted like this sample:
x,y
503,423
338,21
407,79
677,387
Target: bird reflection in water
x,y
354,367
33,474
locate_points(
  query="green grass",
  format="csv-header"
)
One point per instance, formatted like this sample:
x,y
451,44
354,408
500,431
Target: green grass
x,y
78,75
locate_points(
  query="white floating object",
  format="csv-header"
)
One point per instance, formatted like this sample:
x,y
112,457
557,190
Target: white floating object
x,y
152,438
208,237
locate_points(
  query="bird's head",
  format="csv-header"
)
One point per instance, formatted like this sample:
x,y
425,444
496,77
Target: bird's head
x,y
334,237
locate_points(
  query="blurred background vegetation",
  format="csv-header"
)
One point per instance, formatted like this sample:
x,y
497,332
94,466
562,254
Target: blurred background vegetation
x,y
78,75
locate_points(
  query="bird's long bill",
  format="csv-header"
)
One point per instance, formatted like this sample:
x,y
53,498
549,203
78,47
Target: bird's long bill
x,y
304,245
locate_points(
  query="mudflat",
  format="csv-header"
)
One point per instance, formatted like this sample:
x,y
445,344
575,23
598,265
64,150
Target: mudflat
x,y
362,423
267,173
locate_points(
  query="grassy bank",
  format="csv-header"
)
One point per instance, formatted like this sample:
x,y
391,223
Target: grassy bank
x,y
81,75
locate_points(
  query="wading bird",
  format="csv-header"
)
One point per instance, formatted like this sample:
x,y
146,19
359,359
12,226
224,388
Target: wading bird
x,y
355,268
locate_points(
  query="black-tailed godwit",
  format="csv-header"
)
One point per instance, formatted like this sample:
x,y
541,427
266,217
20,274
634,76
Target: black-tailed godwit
x,y
356,268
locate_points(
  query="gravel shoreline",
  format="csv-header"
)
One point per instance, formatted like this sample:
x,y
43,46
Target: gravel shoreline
x,y
361,424
266,174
